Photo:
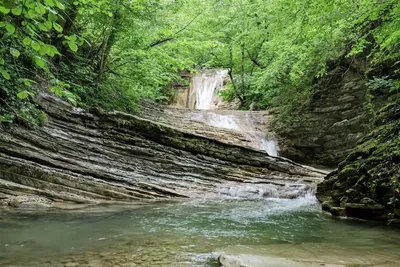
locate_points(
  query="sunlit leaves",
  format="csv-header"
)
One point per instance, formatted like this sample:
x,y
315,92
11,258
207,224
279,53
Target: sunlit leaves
x,y
73,46
5,74
24,94
57,90
27,41
17,10
35,45
10,28
15,52
57,27
6,118
4,10
40,62
49,3
31,23
52,16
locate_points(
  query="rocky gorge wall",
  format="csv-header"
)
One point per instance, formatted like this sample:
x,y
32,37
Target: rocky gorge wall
x,y
107,157
329,128
366,184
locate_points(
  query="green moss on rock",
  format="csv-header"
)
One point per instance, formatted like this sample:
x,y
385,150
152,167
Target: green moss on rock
x,y
371,171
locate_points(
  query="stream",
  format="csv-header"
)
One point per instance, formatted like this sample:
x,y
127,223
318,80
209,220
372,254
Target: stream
x,y
248,219
193,233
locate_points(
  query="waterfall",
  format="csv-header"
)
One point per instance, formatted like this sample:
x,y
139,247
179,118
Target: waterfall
x,y
205,85
270,146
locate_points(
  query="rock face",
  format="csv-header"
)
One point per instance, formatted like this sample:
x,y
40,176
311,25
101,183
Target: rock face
x,y
244,128
333,122
367,184
98,157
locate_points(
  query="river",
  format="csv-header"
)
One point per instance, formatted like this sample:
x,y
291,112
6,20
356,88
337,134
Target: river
x,y
194,233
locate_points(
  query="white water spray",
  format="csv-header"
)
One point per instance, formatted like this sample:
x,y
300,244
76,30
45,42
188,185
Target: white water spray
x,y
206,85
270,146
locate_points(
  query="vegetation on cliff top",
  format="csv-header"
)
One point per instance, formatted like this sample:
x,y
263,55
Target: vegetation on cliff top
x,y
109,53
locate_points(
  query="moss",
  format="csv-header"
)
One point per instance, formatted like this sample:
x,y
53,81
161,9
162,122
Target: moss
x,y
372,169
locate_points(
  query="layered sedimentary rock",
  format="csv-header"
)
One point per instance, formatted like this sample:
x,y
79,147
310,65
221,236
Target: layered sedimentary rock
x,y
367,184
329,128
98,157
244,128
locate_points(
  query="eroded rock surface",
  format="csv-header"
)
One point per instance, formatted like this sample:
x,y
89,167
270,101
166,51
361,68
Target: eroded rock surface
x,y
328,129
367,184
244,128
96,157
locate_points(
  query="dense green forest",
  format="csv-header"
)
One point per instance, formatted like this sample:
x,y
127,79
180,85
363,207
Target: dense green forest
x,y
110,53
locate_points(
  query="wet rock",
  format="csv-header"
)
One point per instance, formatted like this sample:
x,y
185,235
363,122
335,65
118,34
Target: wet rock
x,y
97,157
327,205
337,211
367,182
230,261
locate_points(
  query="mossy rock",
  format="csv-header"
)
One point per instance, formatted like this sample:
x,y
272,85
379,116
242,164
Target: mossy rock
x,y
372,169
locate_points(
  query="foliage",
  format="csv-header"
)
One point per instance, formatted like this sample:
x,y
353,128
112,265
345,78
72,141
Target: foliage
x,y
110,53
276,49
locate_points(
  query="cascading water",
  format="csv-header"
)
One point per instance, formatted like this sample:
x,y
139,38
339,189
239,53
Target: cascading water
x,y
205,85
270,146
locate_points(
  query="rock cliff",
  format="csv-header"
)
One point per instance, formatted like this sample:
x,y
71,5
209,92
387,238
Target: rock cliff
x,y
102,157
366,184
328,129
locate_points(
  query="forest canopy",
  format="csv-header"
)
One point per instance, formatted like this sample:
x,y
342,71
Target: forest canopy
x,y
110,53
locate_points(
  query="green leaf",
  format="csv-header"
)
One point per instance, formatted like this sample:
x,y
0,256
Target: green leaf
x,y
42,27
60,5
48,25
57,27
23,94
6,118
4,10
52,17
40,62
35,46
53,51
73,46
17,11
31,13
15,52
5,74
40,8
10,28
27,41
49,3
57,90
72,38
27,82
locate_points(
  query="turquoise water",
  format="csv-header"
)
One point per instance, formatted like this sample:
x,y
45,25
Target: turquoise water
x,y
192,233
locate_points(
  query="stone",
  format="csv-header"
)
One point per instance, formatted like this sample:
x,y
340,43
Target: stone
x,y
327,205
331,123
367,183
230,261
98,157
337,211
367,201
